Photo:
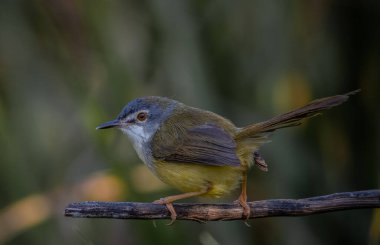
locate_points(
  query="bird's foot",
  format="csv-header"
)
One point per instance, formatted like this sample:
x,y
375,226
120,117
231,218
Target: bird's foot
x,y
169,206
246,208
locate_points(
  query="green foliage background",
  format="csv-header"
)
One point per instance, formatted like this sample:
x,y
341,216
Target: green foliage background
x,y
67,66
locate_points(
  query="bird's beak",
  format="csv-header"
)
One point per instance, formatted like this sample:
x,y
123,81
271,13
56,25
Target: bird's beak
x,y
110,124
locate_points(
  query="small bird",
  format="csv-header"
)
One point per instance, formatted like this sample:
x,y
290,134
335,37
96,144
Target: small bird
x,y
199,152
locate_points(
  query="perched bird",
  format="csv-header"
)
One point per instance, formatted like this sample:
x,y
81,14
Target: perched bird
x,y
199,152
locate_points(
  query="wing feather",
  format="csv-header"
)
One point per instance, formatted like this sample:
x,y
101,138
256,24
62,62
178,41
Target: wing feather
x,y
206,144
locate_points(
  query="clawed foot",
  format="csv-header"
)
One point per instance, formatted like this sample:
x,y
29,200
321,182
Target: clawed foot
x,y
246,208
169,206
169,199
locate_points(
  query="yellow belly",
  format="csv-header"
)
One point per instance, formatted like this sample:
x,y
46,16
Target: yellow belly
x,y
196,177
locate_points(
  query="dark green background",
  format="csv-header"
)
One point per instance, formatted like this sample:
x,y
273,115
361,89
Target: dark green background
x,y
67,66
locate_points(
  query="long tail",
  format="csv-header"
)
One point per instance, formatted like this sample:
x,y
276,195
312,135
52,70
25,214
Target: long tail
x,y
292,118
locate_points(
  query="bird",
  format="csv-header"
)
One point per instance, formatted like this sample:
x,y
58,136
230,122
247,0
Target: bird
x,y
199,152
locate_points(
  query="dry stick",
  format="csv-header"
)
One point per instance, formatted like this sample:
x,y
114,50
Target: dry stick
x,y
215,212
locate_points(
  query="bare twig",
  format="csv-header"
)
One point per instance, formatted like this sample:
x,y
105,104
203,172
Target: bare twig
x,y
214,212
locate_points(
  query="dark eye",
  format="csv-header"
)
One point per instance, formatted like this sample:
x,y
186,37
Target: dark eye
x,y
142,116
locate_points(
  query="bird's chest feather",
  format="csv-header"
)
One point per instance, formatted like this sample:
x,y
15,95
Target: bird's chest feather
x,y
196,177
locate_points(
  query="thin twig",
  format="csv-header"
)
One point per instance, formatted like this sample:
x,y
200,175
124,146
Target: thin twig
x,y
230,211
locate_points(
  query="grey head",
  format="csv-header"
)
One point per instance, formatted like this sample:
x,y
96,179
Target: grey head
x,y
140,119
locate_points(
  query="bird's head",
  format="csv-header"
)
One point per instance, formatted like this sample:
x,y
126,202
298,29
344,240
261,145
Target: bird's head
x,y
141,117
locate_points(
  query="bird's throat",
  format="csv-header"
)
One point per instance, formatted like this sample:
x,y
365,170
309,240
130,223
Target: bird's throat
x,y
140,139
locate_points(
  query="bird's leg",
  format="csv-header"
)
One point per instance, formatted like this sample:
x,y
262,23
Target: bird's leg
x,y
168,201
242,200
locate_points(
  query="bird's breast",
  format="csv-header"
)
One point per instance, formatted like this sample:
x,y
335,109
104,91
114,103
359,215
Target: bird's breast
x,y
221,180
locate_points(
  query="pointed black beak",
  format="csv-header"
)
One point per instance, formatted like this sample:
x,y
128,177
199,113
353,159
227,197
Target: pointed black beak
x,y
110,124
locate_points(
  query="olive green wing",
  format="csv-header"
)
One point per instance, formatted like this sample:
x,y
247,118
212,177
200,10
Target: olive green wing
x,y
207,144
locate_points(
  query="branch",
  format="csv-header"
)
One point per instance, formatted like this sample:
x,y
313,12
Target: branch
x,y
230,211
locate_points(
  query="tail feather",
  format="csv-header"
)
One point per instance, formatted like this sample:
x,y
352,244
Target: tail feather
x,y
292,118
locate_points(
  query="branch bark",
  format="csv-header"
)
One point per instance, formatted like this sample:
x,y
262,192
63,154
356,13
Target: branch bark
x,y
230,211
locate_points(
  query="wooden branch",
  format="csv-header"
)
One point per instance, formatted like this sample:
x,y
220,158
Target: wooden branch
x,y
230,211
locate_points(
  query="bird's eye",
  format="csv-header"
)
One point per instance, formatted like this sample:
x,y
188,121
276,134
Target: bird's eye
x,y
142,116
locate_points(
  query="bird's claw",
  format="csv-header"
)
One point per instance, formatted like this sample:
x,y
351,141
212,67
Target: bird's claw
x,y
169,206
246,209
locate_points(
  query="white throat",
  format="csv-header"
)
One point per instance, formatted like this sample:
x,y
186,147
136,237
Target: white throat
x,y
140,139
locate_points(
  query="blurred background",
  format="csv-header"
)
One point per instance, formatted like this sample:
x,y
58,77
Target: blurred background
x,y
68,65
